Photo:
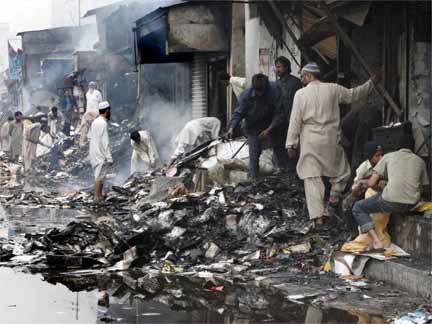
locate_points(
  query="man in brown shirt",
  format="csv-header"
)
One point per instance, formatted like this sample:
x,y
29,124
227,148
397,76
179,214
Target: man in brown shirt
x,y
406,174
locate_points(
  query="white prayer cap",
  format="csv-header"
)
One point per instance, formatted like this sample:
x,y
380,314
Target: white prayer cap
x,y
311,67
92,84
104,105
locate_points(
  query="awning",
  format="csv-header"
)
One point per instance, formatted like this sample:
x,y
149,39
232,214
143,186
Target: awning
x,y
175,33
151,37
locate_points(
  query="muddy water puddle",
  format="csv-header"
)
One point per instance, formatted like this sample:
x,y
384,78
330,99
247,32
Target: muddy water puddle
x,y
135,297
55,298
18,221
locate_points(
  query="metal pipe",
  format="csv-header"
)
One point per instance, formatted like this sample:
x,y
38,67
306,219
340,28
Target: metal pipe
x,y
238,151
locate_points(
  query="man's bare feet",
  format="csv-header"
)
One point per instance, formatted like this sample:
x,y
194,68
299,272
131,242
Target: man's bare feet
x,y
377,245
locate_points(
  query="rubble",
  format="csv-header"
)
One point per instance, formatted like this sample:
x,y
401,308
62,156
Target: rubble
x,y
248,223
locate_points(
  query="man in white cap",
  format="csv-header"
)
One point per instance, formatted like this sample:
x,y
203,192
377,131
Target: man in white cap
x,y
315,122
93,97
100,152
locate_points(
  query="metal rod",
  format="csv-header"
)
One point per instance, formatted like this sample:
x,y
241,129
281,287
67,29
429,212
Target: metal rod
x,y
349,44
238,151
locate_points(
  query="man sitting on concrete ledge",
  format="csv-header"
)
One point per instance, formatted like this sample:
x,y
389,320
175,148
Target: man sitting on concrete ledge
x,y
406,174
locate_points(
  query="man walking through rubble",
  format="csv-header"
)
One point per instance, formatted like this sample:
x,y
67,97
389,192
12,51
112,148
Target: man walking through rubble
x,y
406,174
16,132
289,85
145,156
100,152
261,107
315,121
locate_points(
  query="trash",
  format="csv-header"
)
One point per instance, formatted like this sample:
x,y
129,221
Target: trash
x,y
169,267
298,249
231,221
212,250
420,316
217,288
298,298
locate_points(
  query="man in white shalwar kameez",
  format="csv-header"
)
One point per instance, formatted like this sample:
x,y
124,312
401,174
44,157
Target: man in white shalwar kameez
x,y
238,84
195,133
4,135
100,152
315,123
93,98
145,156
46,140
16,131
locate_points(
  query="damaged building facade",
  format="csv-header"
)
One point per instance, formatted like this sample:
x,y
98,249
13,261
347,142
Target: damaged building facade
x,y
248,38
47,59
197,239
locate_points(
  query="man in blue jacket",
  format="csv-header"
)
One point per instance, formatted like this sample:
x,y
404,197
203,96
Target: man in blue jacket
x,y
261,108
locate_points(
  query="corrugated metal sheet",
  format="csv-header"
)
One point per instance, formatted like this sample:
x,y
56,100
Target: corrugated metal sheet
x,y
199,86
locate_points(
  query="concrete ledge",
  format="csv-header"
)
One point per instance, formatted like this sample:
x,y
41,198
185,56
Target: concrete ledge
x,y
414,278
413,233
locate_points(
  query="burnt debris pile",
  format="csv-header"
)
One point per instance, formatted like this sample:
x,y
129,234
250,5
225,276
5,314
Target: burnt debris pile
x,y
67,159
228,229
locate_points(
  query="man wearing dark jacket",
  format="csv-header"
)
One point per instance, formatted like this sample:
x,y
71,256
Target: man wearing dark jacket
x,y
261,107
289,85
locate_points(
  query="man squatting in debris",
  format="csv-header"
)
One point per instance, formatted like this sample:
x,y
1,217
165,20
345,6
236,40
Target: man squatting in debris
x,y
406,174
195,133
100,152
315,121
145,156
16,136
4,135
261,107
374,152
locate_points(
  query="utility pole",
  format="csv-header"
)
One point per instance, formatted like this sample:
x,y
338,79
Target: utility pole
x,y
79,12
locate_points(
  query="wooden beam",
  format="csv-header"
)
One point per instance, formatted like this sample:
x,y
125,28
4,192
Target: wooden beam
x,y
281,19
349,44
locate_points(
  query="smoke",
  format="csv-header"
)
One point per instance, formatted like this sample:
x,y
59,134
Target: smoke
x,y
164,120
165,103
88,38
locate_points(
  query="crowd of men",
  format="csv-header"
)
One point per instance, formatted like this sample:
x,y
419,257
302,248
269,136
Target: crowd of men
x,y
30,137
299,119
